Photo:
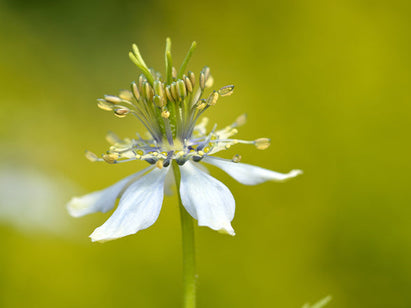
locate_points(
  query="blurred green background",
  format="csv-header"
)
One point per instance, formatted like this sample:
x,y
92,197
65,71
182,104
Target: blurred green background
x,y
327,81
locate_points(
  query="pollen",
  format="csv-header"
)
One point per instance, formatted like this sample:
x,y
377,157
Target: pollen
x,y
262,143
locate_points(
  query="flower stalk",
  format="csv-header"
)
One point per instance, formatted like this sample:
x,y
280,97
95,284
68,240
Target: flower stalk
x,y
188,245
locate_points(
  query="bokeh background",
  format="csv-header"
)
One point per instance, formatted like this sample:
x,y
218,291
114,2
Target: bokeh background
x,y
327,81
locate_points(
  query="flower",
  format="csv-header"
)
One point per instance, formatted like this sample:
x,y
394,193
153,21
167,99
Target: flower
x,y
169,109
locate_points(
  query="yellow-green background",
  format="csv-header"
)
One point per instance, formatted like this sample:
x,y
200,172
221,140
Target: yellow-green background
x,y
327,81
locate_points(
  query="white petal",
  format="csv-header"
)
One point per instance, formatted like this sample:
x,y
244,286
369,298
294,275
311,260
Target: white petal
x,y
170,183
102,200
138,208
206,199
248,174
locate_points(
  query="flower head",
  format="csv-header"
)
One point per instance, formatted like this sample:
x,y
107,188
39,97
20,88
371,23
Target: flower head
x,y
170,108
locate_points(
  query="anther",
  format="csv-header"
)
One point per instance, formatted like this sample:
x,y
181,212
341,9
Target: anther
x,y
188,84
192,78
91,156
201,104
262,143
135,91
121,112
112,99
168,93
240,121
174,91
236,158
158,101
181,89
174,73
210,81
202,80
159,164
125,95
141,80
212,99
112,138
110,158
148,91
206,71
226,91
105,105
165,114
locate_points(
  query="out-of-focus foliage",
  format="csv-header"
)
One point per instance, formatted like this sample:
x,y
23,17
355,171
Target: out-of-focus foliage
x,y
327,81
320,304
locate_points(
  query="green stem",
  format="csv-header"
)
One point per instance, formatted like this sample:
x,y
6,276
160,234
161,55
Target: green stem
x,y
187,228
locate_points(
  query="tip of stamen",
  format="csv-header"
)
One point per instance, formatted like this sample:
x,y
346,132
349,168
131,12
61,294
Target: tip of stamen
x,y
262,143
236,158
241,120
91,156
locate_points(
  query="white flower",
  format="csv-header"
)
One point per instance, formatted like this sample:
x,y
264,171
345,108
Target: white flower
x,y
169,109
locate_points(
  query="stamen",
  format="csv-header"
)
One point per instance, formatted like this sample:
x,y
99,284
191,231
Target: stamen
x,y
226,91
236,158
262,143
110,158
212,99
121,111
240,121
134,90
112,99
104,105
126,95
91,156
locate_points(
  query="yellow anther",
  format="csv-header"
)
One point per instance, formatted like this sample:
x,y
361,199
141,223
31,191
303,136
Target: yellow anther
x,y
112,138
140,152
262,143
159,164
174,93
169,95
112,99
134,88
181,88
226,91
174,72
236,158
206,71
192,78
148,91
165,114
210,81
202,81
212,99
164,153
110,158
179,153
126,95
201,106
104,105
201,153
241,120
188,84
206,149
121,112
91,156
